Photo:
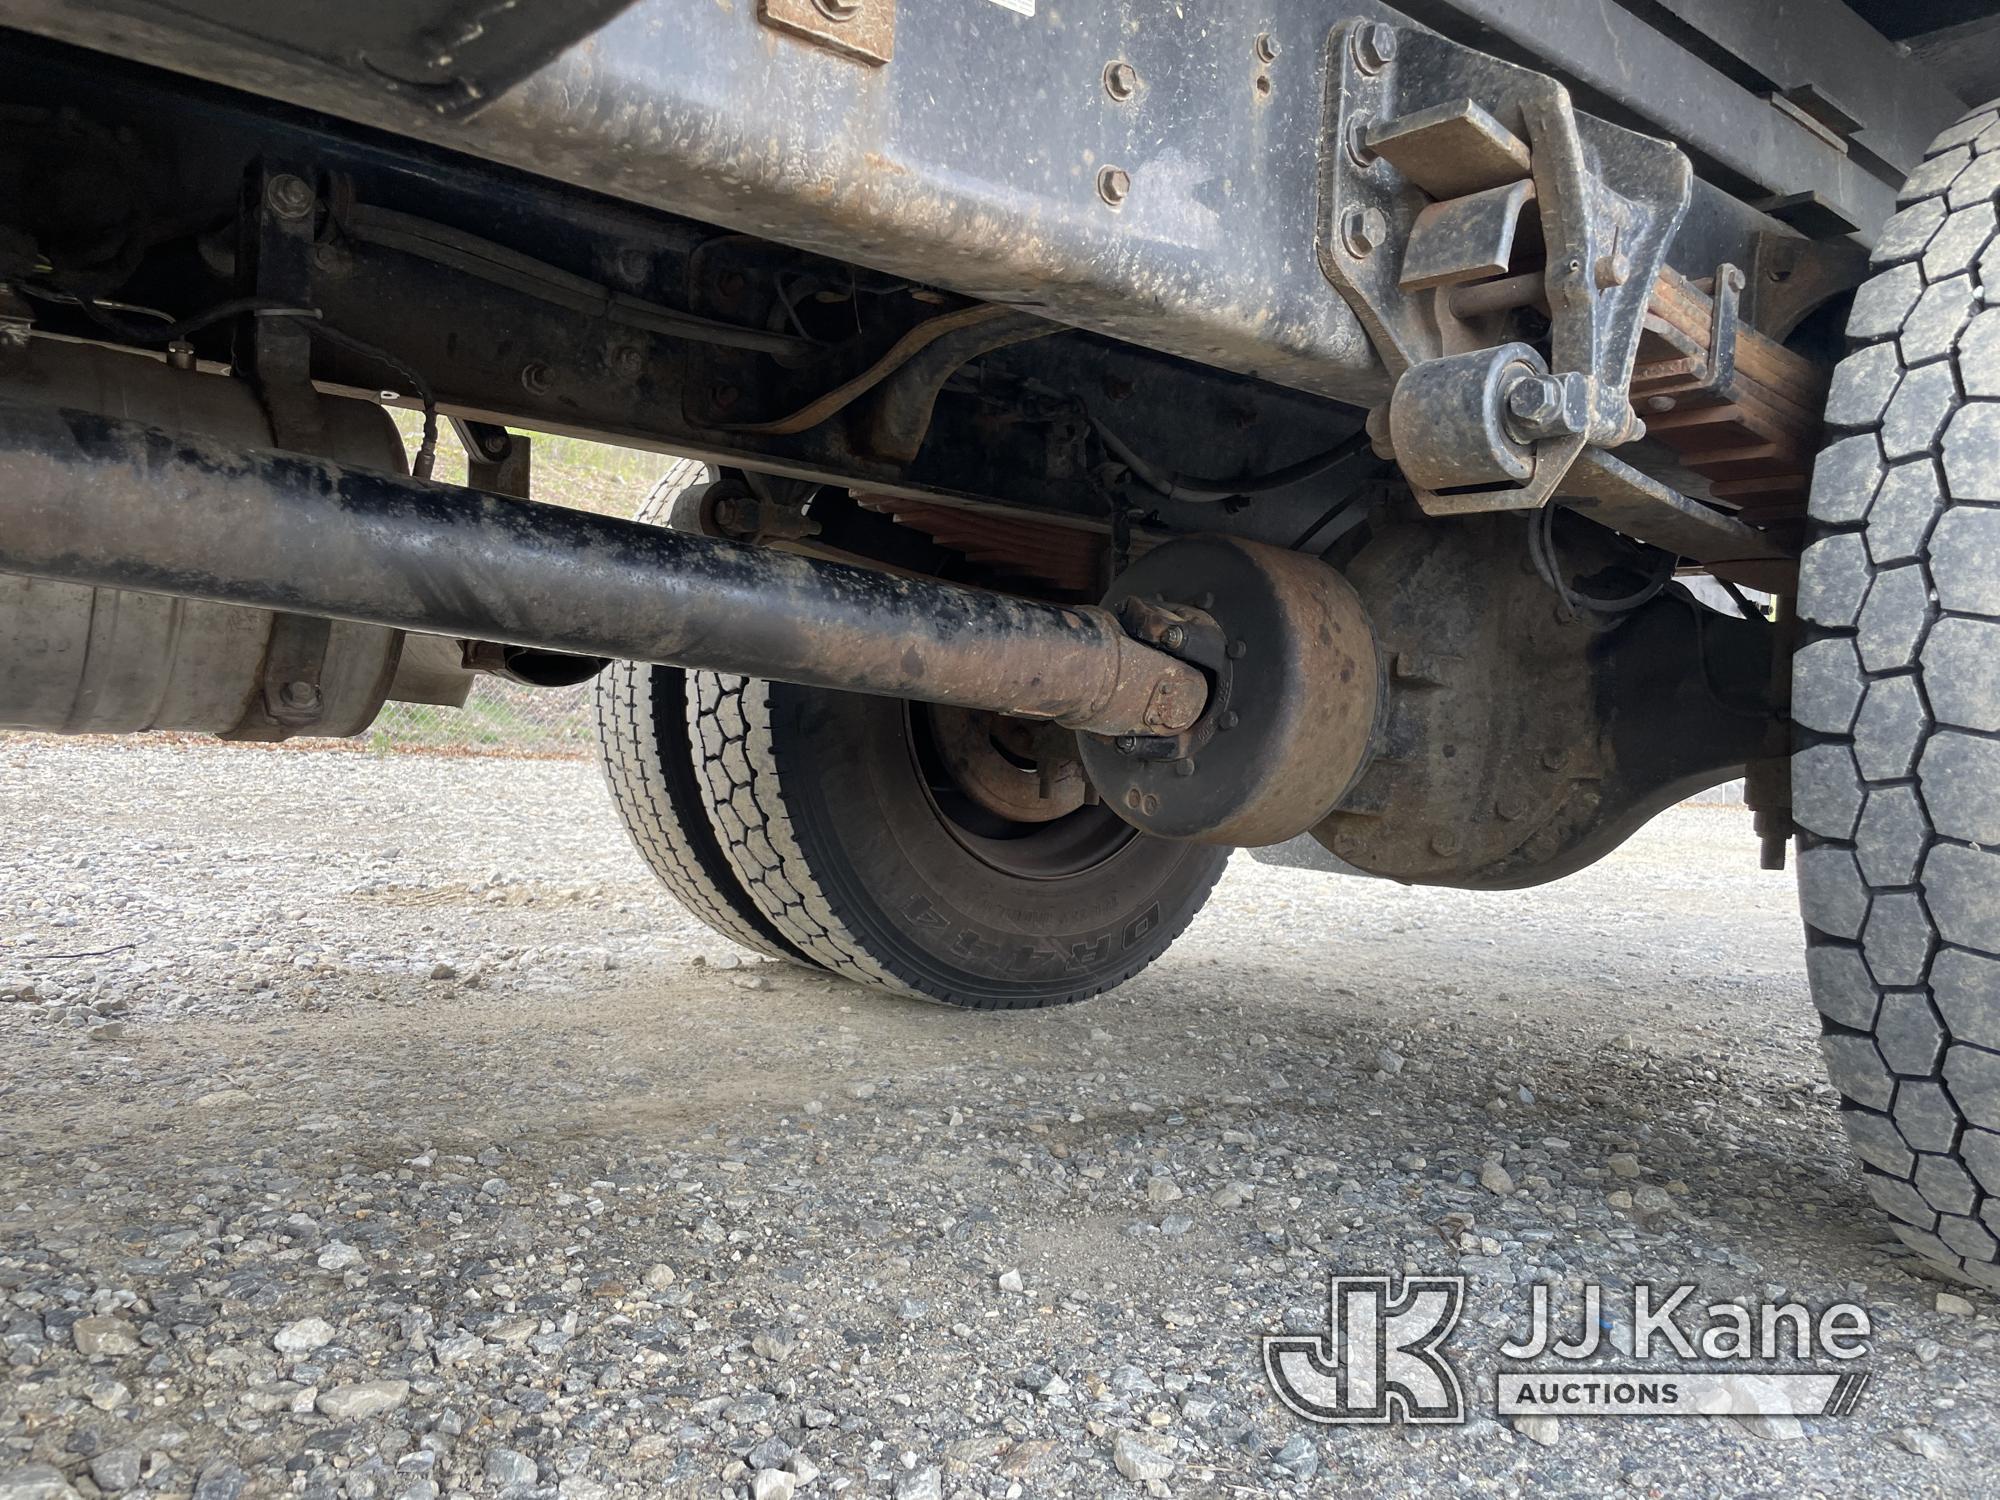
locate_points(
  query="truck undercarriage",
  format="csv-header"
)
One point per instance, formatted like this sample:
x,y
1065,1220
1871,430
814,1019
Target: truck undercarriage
x,y
1136,434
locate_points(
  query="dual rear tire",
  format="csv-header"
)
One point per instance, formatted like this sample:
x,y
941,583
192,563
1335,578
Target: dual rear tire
x,y
887,842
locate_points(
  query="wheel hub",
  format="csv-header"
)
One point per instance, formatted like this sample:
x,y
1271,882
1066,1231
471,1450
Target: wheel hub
x,y
1017,769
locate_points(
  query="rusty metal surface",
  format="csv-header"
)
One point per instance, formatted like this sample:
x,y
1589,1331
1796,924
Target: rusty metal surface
x,y
1066,559
1617,495
969,162
864,30
1014,768
1464,239
1451,149
1517,747
1736,407
1292,714
87,499
974,159
1608,203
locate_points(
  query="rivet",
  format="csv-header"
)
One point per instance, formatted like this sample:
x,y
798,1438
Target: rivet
x,y
1238,650
1444,844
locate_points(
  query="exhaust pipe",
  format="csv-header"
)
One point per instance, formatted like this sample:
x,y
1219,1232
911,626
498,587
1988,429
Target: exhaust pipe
x,y
93,500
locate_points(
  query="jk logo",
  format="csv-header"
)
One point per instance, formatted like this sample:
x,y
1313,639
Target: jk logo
x,y
1378,1360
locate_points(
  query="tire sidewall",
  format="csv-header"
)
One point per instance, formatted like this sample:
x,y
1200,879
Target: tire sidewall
x,y
935,913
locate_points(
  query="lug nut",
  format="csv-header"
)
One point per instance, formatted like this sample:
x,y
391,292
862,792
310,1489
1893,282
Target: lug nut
x,y
1114,185
1121,80
1363,230
1374,47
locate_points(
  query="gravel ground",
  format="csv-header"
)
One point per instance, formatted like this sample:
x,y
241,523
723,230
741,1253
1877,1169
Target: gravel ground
x,y
412,1143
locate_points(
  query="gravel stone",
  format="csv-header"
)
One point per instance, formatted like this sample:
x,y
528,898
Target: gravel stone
x,y
509,1469
305,1336
103,1338
581,1193
364,1398
1139,1461
35,1482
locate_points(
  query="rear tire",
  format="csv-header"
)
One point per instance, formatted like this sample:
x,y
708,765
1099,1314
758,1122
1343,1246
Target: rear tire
x,y
642,743
1896,691
843,824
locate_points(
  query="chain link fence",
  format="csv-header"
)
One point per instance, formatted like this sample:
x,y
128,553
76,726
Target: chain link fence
x,y
506,718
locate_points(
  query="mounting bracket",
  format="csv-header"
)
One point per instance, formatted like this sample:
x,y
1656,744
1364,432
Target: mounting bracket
x,y
1445,169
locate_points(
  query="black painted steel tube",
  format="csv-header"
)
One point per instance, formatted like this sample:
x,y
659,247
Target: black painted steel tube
x,y
93,500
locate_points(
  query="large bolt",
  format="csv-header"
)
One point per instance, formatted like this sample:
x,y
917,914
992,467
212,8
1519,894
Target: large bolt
x,y
1374,46
1173,637
1356,137
299,696
1363,231
1533,400
1114,185
1121,80
289,197
1536,408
